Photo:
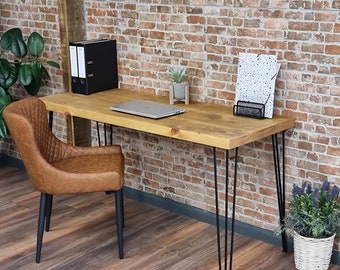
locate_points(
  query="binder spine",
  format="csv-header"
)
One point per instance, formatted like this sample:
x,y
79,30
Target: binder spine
x,y
82,70
74,68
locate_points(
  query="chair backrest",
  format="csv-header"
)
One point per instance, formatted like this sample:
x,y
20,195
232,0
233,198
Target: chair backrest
x,y
28,125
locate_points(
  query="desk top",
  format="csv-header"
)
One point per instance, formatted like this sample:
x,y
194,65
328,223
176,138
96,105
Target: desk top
x,y
207,124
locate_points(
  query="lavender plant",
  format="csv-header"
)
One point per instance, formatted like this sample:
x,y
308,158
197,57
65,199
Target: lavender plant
x,y
314,212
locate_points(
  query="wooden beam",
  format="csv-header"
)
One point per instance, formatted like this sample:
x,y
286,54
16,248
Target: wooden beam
x,y
72,27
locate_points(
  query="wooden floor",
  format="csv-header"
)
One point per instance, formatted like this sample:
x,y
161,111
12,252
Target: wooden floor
x,y
83,235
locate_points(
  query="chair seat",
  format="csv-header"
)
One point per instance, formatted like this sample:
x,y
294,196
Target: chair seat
x,y
91,173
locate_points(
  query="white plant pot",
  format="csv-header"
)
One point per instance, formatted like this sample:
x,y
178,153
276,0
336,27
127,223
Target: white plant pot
x,y
312,253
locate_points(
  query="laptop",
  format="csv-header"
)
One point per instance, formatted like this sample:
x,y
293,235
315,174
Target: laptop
x,y
147,108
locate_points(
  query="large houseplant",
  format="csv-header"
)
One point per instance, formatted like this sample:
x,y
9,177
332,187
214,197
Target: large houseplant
x,y
313,219
20,61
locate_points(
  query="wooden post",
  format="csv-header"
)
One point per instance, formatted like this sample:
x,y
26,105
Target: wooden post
x,y
72,27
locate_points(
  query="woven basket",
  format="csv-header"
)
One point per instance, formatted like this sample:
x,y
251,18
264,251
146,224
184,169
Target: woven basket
x,y
312,253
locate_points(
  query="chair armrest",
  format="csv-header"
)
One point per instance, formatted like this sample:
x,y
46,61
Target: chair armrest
x,y
76,151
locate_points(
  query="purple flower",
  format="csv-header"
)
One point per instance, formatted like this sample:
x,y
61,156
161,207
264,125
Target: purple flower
x,y
335,192
309,189
297,191
325,186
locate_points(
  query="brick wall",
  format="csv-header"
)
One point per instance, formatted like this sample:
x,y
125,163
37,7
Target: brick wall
x,y
206,37
42,17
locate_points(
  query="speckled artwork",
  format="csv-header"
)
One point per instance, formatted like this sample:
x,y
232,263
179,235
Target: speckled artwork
x,y
256,79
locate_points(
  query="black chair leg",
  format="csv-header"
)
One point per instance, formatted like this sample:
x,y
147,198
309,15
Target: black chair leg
x,y
120,221
122,197
41,225
122,204
49,203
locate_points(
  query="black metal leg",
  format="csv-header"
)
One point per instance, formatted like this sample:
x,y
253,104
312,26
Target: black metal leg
x,y
98,133
280,186
41,225
217,213
49,203
280,183
233,212
226,212
105,138
111,139
105,134
50,119
123,209
120,221
226,207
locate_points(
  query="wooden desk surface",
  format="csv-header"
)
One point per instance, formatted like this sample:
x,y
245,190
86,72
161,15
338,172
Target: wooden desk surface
x,y
207,124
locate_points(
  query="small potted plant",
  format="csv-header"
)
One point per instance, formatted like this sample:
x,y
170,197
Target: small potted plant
x,y
20,61
179,88
313,219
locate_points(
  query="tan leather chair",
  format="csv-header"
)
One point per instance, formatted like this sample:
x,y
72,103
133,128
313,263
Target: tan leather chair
x,y
58,168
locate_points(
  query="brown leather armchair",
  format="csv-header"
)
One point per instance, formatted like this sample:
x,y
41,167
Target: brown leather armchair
x,y
56,168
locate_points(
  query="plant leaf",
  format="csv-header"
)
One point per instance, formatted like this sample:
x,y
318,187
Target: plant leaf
x,y
12,40
4,68
5,99
25,74
3,92
53,64
34,87
12,78
37,71
3,129
35,44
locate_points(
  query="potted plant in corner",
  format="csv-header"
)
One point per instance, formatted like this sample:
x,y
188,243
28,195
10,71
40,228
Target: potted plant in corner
x,y
313,219
20,61
179,89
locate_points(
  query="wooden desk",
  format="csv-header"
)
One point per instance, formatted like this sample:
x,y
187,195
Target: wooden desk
x,y
207,124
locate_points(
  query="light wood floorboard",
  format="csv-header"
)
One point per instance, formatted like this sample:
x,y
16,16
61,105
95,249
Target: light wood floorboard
x,y
83,235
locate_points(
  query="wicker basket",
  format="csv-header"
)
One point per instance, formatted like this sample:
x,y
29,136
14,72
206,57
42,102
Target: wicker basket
x,y
312,253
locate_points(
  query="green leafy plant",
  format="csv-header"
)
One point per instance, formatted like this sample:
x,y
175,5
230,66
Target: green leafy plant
x,y
314,212
20,62
177,75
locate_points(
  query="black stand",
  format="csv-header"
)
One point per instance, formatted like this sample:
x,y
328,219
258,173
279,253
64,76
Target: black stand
x,y
249,109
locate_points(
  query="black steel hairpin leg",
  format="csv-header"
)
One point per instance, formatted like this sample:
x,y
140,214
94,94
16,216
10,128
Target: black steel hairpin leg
x,y
105,139
280,182
111,132
226,207
98,133
105,134
233,212
217,213
226,212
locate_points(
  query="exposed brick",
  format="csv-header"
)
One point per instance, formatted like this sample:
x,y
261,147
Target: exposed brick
x,y
298,4
303,26
333,49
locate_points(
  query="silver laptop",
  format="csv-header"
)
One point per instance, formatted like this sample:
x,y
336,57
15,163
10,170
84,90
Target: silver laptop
x,y
147,108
